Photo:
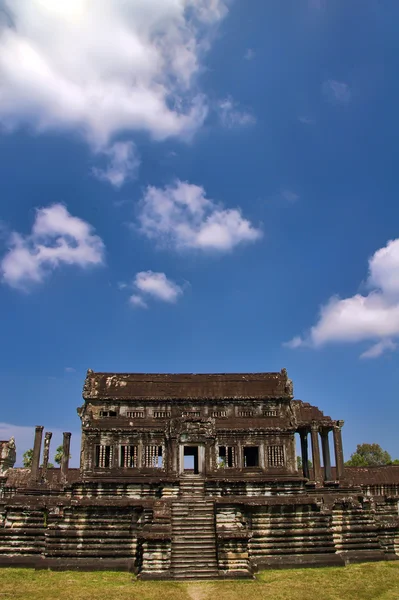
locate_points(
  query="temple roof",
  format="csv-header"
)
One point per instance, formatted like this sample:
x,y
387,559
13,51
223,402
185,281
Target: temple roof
x,y
193,386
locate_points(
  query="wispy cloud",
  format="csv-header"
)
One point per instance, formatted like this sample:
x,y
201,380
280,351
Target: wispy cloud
x,y
70,370
337,91
374,316
232,116
249,54
379,348
289,195
181,216
57,238
137,301
306,120
123,163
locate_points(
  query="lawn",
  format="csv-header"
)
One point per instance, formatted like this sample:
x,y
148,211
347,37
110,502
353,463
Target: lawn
x,y
367,581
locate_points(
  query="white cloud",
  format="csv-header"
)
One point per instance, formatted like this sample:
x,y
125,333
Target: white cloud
x,y
296,342
57,238
24,438
156,285
100,67
337,91
374,316
137,301
123,164
231,116
181,216
70,370
379,348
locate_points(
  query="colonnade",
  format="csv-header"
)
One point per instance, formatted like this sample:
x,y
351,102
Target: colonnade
x,y
318,431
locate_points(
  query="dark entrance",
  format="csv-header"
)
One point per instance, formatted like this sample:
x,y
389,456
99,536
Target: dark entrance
x,y
191,459
251,456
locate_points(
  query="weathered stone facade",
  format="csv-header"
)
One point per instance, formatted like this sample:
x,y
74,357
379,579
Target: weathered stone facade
x,y
195,476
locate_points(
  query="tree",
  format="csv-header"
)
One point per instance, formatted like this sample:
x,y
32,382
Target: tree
x,y
299,463
27,458
59,454
370,455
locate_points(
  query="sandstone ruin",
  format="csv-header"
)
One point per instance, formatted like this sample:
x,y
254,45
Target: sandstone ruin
x,y
195,475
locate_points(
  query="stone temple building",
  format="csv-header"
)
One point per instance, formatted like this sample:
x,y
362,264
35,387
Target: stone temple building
x,y
196,475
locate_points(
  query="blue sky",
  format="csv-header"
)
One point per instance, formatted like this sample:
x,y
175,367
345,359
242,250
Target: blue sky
x,y
200,186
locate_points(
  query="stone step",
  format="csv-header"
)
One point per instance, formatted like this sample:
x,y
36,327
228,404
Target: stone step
x,y
192,549
289,551
193,552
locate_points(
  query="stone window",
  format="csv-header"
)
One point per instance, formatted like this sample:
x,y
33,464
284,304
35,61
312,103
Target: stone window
x,y
153,456
219,414
226,457
270,413
191,413
104,456
128,456
161,415
251,456
275,456
108,413
135,414
245,413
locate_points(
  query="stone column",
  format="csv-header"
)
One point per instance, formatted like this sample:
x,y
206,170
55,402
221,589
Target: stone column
x,y
317,475
338,450
34,473
304,452
326,455
46,452
65,456
240,460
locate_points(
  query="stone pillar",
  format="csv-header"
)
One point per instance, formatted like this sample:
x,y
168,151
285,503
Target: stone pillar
x,y
338,450
317,475
326,455
34,473
65,456
305,453
240,460
46,452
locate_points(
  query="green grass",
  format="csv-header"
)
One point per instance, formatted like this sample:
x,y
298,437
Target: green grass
x,y
367,581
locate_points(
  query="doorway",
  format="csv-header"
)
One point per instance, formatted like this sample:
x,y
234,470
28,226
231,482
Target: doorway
x,y
191,459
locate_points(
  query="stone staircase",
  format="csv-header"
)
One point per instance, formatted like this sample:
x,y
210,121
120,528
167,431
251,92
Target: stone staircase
x,y
193,533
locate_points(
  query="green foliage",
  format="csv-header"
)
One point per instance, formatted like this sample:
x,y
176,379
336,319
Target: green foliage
x,y
299,463
370,455
27,458
59,454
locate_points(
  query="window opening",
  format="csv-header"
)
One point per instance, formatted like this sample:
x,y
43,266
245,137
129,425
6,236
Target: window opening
x,y
135,414
108,413
104,456
153,456
275,456
245,413
251,456
128,456
270,413
161,415
219,414
191,413
226,457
